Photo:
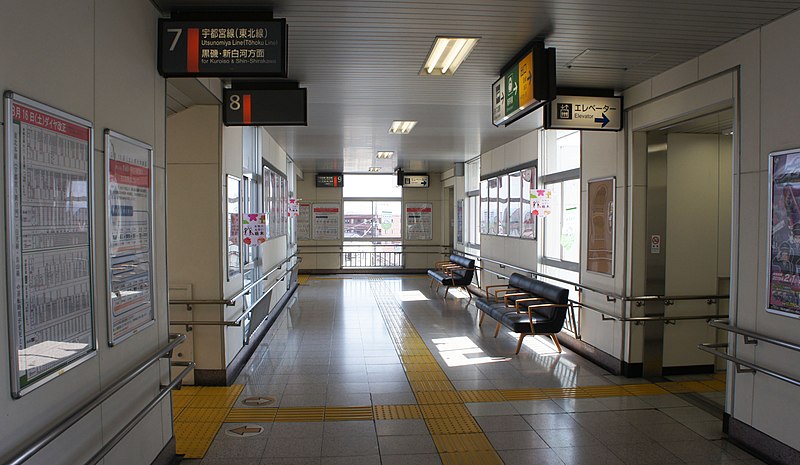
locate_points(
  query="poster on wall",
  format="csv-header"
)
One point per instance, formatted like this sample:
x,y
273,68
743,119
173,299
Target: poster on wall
x,y
600,226
784,199
233,207
327,221
254,229
129,233
304,222
49,262
419,221
541,200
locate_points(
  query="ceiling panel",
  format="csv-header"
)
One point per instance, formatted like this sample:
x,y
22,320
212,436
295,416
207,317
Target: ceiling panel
x,y
360,62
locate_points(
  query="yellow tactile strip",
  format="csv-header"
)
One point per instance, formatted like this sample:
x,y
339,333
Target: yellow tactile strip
x,y
198,413
302,279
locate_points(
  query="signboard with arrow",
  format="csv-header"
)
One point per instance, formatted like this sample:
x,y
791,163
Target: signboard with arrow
x,y
585,113
526,83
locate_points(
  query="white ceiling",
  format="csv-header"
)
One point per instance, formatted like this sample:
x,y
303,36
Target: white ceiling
x,y
360,61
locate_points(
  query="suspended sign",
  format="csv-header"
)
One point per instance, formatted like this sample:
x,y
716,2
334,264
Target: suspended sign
x,y
585,113
540,202
526,83
254,228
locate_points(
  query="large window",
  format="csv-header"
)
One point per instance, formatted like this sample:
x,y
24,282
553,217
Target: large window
x,y
561,168
365,219
373,226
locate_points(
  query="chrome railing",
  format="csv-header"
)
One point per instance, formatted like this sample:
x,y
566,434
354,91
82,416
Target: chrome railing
x,y
750,337
53,433
371,259
231,301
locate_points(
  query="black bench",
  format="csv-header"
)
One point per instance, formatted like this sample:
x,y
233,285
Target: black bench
x,y
457,272
526,306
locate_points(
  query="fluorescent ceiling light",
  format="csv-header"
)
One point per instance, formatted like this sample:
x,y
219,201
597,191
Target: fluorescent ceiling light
x,y
402,127
447,54
385,155
374,169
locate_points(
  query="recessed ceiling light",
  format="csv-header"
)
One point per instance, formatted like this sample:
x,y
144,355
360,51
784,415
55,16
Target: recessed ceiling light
x,y
374,169
385,155
402,127
447,54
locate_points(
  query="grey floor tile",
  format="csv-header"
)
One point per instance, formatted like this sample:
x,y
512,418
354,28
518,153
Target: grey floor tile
x,y
551,421
699,451
342,445
503,423
568,437
505,440
491,408
643,454
619,434
296,429
350,400
366,428
399,445
389,387
530,407
411,459
302,400
400,427
293,446
226,461
688,414
645,417
530,457
707,429
668,432
624,403
393,398
289,461
581,405
593,455
599,419
352,460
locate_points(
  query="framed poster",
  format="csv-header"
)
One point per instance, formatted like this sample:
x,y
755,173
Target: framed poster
x,y
304,222
49,236
233,253
528,218
783,280
327,221
600,226
129,236
419,221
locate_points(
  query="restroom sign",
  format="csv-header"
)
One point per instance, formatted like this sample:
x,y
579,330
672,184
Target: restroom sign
x,y
584,113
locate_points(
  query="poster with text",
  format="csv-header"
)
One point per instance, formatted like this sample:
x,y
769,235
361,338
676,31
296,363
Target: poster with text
x,y
49,258
129,232
784,269
304,222
327,221
419,221
254,229
600,224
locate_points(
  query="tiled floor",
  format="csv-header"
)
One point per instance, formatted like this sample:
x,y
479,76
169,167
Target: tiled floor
x,y
430,387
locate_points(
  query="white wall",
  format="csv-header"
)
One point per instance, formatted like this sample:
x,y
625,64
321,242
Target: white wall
x,y
764,81
96,60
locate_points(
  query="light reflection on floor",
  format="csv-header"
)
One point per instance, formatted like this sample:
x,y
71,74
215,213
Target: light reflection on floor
x,y
461,351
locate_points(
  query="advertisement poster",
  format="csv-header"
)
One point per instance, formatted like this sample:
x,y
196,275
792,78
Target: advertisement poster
x,y
254,229
541,200
49,261
304,222
419,221
600,237
327,221
129,199
784,274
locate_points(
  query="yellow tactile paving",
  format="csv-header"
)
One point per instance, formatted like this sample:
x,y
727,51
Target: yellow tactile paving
x,y
462,442
645,389
422,367
198,413
487,395
523,394
396,412
202,415
348,413
302,279
300,414
471,458
251,415
457,425
193,439
445,411
186,391
426,376
212,401
418,386
441,397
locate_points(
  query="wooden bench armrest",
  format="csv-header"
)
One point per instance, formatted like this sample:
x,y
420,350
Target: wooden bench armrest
x,y
507,290
513,294
523,301
548,306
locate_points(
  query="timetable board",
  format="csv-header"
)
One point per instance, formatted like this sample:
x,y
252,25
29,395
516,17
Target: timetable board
x,y
48,156
327,221
419,221
129,233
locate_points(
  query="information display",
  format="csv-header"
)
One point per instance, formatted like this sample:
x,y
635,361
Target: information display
x,y
304,222
327,221
419,221
219,48
129,233
48,156
330,180
264,107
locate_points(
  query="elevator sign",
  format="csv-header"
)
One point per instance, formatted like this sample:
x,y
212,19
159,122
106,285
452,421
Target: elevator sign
x,y
219,48
585,113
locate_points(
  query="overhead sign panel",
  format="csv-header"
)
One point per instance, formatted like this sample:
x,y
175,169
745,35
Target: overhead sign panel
x,y
266,107
585,113
219,48
416,180
330,180
527,83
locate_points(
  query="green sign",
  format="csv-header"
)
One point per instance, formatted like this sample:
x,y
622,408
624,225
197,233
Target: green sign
x,y
511,80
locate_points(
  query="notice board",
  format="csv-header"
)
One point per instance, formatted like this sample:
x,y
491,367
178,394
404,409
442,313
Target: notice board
x,y
49,229
327,221
419,221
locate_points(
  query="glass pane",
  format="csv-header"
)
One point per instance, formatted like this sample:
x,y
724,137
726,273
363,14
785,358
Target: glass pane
x,y
492,206
387,217
528,221
373,186
502,205
568,150
570,229
552,225
234,227
514,205
358,219
484,213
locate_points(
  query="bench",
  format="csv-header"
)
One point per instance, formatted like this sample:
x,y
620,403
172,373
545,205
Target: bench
x,y
456,272
526,306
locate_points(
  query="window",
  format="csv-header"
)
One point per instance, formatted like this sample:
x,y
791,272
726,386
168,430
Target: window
x,y
275,202
561,168
373,186
373,229
473,219
364,219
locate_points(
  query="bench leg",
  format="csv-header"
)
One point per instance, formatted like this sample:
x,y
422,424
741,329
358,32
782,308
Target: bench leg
x,y
431,284
446,290
497,330
555,341
438,285
468,293
519,342
480,318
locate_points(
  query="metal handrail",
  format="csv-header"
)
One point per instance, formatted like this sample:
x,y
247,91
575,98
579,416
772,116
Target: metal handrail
x,y
724,325
609,295
231,301
711,348
238,320
53,433
96,458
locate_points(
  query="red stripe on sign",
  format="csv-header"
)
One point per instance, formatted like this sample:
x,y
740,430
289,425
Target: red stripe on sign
x,y
246,109
193,50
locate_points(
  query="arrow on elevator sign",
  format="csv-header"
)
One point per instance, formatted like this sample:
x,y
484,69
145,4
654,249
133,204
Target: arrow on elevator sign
x,y
603,120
